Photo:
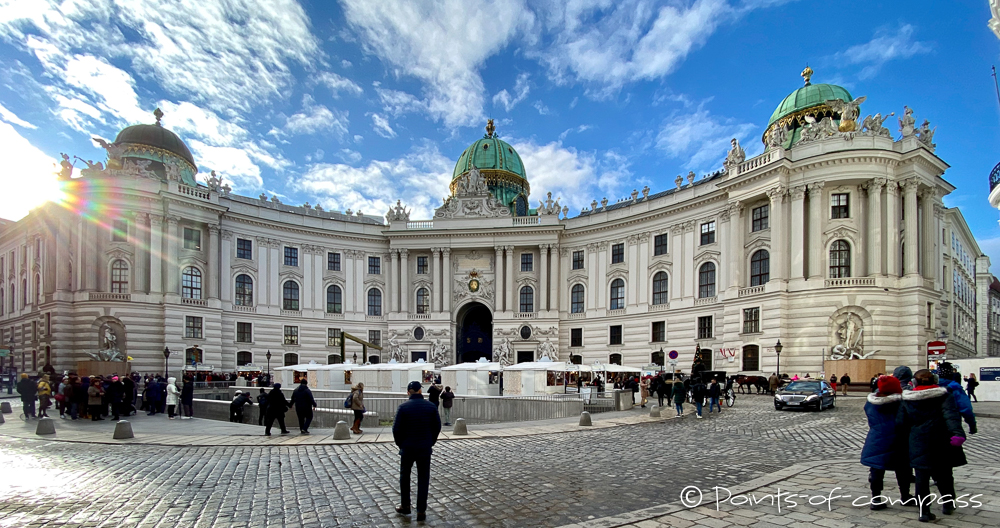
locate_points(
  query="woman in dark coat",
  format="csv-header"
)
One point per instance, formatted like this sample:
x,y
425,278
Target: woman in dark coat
x,y
885,450
276,407
933,427
679,394
187,398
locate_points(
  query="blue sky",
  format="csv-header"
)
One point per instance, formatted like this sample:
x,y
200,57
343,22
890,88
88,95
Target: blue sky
x,y
354,104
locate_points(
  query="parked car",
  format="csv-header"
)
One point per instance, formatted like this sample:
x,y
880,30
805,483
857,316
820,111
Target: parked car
x,y
809,394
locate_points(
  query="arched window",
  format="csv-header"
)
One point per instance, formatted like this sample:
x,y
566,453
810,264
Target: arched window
x,y
244,290
291,358
119,276
657,359
576,299
24,293
840,259
290,297
333,359
38,290
660,288
244,357
191,283
615,359
760,267
617,294
527,299
374,301
423,301
334,300
706,280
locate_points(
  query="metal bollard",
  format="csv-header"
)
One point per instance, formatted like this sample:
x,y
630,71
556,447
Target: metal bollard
x,y
460,428
585,419
5,408
340,431
45,427
654,412
123,430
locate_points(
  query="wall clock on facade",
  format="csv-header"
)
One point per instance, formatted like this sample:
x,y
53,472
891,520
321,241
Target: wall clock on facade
x,y
474,285
525,332
418,333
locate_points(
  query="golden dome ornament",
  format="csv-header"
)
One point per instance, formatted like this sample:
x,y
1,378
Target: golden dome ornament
x,y
807,75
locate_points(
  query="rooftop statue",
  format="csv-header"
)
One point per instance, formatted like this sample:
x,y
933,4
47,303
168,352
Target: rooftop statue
x,y
926,135
848,111
872,126
65,171
736,155
778,138
906,122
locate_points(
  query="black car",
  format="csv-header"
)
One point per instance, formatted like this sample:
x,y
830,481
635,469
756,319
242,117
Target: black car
x,y
805,394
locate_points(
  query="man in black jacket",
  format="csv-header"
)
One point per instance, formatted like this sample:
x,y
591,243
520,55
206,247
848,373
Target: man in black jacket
x,y
261,406
415,431
302,399
276,407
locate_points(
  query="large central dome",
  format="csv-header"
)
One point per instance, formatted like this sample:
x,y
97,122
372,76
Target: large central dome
x,y
809,100
499,164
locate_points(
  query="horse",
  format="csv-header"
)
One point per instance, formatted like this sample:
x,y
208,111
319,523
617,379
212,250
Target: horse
x,y
744,381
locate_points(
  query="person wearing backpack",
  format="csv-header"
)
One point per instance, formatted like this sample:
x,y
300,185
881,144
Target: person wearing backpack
x,y
358,406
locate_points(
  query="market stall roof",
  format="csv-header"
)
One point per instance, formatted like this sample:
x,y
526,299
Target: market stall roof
x,y
611,367
396,366
475,365
304,367
551,366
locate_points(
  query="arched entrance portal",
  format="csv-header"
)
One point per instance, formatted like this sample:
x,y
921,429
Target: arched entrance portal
x,y
475,333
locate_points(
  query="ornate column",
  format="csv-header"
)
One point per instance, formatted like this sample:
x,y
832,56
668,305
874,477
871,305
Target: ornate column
x,y
404,280
226,254
677,254
687,260
213,261
632,245
435,280
350,287
501,302
737,227
910,230
509,269
445,288
139,242
554,278
307,289
392,280
275,294
779,230
594,285
797,245
173,272
262,284
875,226
892,252
816,249
543,272
928,229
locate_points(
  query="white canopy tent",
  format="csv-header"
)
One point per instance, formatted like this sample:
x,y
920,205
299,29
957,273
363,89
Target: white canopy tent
x,y
325,377
480,378
533,378
391,376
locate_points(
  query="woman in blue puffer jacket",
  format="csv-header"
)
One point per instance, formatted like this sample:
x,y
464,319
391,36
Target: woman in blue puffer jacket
x,y
885,449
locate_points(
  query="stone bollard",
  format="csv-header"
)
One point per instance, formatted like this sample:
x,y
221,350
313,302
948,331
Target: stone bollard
x,y
5,408
460,428
1,418
45,427
123,430
654,412
340,431
585,418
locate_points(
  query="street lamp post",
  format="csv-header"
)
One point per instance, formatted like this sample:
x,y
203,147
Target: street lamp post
x,y
777,350
268,356
166,362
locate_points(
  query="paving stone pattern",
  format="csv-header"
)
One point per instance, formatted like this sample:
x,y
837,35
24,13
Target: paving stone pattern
x,y
538,480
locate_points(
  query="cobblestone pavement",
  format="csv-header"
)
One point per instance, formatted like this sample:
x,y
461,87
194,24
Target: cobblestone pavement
x,y
539,480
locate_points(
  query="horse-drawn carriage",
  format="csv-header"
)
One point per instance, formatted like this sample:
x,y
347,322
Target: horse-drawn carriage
x,y
705,377
750,380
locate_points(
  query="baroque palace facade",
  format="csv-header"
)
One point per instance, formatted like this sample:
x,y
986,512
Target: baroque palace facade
x,y
835,240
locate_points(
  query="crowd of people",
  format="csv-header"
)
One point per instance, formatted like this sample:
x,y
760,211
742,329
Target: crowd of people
x,y
99,397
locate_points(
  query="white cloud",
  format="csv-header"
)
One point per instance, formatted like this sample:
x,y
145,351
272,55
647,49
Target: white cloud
x,y
231,163
346,63
28,179
419,179
574,176
701,140
882,48
542,109
316,117
398,103
349,156
521,89
441,43
12,118
580,129
381,126
338,84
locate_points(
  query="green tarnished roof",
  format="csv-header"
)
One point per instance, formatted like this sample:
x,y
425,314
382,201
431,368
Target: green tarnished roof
x,y
490,153
807,97
158,137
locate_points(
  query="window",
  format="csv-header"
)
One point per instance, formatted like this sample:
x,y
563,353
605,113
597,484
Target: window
x,y
421,265
193,355
840,259
527,299
617,253
119,276
576,337
760,267
334,298
751,320
38,288
659,331
706,280
333,261
291,256
708,233
839,206
423,301
615,335
526,261
192,238
244,357
244,248
119,233
660,288
658,358
290,296
291,358
334,337
759,218
930,316
244,332
291,338
24,293
615,359
374,301
705,327
374,265
576,299
660,244
578,259
191,283
334,359
617,300
244,290
375,337
192,327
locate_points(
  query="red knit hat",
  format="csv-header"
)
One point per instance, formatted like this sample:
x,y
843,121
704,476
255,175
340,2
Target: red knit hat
x,y
889,385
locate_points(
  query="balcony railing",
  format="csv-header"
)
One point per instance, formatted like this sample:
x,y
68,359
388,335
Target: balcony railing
x,y
995,177
659,307
422,224
191,191
418,316
580,315
850,281
752,290
241,308
291,313
375,318
195,302
706,300
104,296
525,315
332,315
526,220
619,311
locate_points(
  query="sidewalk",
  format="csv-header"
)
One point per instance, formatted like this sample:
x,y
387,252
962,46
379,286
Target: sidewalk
x,y
986,409
810,487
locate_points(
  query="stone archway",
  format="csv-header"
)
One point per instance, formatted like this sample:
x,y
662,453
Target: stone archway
x,y
475,333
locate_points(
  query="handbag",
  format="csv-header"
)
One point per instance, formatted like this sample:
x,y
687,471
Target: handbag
x,y
60,398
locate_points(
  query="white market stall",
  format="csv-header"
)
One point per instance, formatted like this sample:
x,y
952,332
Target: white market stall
x,y
391,377
533,378
323,377
481,378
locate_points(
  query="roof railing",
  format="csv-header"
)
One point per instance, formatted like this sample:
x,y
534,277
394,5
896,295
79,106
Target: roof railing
x,y
995,177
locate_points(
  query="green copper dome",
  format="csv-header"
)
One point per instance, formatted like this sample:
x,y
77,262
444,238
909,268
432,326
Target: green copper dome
x,y
501,167
807,97
810,100
160,147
